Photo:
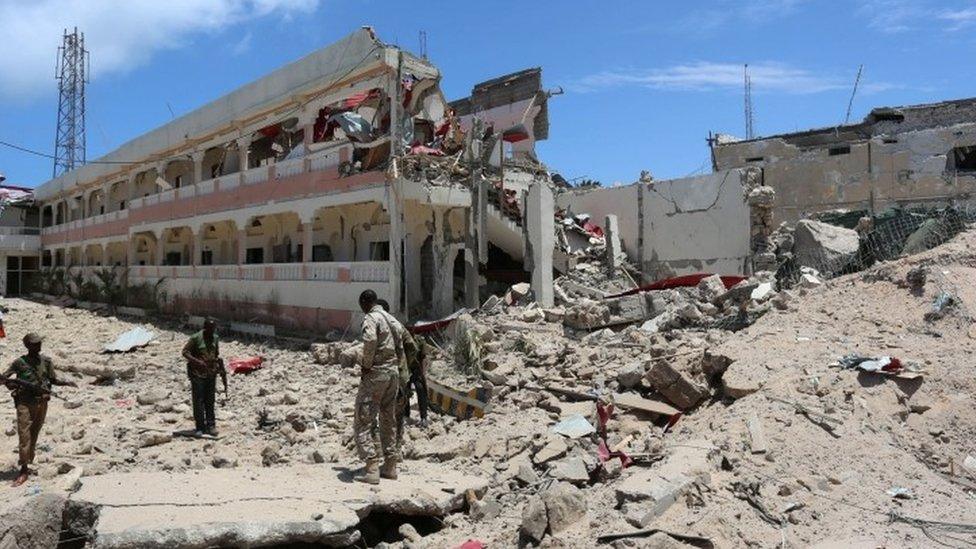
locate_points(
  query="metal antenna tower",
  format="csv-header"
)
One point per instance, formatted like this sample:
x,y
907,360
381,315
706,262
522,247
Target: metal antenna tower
x,y
423,44
850,103
71,73
748,100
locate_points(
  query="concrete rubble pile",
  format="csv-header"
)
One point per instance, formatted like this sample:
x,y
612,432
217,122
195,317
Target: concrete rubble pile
x,y
631,421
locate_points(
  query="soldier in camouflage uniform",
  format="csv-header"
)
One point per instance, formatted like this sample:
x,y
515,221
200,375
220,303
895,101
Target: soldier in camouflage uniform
x,y
377,397
30,378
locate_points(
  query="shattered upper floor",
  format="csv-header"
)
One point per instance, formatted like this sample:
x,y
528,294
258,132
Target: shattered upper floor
x,y
351,107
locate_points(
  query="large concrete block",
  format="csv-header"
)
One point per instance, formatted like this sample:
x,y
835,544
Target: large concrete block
x,y
655,490
825,247
674,385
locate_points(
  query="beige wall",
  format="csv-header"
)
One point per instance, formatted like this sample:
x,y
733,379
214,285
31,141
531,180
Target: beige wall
x,y
900,169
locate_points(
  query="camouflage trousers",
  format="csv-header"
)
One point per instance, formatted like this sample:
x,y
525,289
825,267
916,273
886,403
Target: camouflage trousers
x,y
375,422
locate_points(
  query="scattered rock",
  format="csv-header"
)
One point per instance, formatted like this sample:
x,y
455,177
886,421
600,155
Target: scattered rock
x,y
555,448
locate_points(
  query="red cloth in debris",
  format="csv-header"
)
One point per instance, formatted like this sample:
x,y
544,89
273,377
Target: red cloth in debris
x,y
471,544
442,130
594,230
605,454
684,281
270,131
893,366
354,101
423,149
243,365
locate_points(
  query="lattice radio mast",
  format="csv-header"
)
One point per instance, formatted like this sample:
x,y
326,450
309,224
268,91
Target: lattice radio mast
x,y
748,100
71,72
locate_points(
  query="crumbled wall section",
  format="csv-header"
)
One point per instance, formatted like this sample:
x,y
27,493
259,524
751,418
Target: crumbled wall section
x,y
894,157
680,226
761,199
696,224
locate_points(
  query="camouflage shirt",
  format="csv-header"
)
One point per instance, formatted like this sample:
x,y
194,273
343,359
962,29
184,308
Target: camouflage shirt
x,y
382,348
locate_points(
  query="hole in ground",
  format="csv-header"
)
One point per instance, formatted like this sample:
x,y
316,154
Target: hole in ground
x,y
380,526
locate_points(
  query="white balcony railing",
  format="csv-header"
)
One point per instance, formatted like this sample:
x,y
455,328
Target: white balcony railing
x,y
323,160
256,175
358,271
205,187
229,181
4,231
288,168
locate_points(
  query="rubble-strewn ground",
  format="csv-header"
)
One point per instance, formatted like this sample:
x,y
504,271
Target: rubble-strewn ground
x,y
824,478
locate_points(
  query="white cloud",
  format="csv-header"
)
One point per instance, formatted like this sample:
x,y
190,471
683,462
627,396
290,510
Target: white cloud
x,y
896,16
121,34
738,12
243,45
707,76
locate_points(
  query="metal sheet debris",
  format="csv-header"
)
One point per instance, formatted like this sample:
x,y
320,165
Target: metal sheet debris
x,y
134,338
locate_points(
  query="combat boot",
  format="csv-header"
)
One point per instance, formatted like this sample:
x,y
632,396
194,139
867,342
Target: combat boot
x,y
370,473
389,470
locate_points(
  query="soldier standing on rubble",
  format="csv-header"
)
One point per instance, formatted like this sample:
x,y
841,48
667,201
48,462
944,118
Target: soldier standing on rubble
x,y
30,378
412,373
376,400
203,363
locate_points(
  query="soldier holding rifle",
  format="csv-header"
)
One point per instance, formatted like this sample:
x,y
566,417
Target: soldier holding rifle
x,y
29,379
203,363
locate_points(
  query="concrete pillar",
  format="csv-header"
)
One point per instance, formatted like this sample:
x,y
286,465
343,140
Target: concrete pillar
x,y
243,151
198,174
241,246
394,207
307,234
611,235
161,174
539,212
158,249
130,251
472,274
196,248
107,197
130,186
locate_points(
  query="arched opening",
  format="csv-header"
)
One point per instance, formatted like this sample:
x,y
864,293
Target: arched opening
x,y
217,243
47,216
175,246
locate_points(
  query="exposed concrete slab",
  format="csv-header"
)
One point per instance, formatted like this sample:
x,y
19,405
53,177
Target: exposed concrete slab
x,y
256,507
540,208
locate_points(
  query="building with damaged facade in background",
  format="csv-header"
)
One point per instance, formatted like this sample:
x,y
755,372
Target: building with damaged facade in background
x,y
921,155
281,201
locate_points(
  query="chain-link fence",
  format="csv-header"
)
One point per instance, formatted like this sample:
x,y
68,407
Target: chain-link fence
x,y
883,237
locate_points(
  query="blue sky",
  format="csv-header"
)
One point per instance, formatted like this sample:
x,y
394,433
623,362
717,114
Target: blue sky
x,y
644,81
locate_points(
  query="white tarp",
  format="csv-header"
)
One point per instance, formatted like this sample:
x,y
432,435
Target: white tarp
x,y
136,337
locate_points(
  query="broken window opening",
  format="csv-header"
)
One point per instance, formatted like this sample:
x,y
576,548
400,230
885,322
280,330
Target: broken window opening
x,y
962,159
889,141
254,256
837,151
755,159
322,252
379,251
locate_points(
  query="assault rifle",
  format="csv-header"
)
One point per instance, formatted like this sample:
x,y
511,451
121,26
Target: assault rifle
x,y
20,383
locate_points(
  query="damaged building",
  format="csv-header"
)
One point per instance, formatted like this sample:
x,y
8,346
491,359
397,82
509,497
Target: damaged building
x,y
905,156
345,170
